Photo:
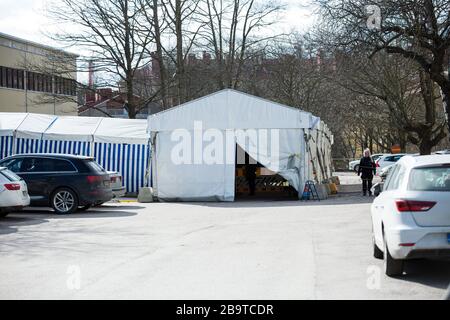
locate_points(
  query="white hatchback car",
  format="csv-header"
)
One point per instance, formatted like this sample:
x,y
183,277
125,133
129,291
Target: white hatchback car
x,y
354,165
13,192
388,160
411,217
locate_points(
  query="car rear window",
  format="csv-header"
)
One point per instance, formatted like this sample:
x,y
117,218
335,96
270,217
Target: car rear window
x,y
94,166
10,175
430,179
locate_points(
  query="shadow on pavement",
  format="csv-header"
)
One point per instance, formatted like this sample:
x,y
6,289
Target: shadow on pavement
x,y
9,223
49,214
260,202
434,273
107,211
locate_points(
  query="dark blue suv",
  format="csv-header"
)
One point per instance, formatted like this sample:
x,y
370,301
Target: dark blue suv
x,y
64,182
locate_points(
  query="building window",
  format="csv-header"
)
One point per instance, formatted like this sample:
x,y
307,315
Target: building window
x,y
20,79
11,78
15,79
2,77
30,81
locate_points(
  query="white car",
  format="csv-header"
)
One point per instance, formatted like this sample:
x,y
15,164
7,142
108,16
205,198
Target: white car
x,y
116,184
13,192
354,165
388,160
411,217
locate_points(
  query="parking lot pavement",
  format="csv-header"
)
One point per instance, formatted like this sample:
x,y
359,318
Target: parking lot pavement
x,y
243,250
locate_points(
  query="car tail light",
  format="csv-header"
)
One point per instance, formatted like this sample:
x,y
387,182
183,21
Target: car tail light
x,y
94,179
414,206
12,186
377,163
114,179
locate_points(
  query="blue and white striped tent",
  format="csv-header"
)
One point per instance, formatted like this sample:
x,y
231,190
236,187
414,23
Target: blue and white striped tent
x,y
117,144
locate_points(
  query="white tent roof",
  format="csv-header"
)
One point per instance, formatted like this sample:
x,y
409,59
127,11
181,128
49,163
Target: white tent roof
x,y
9,122
122,131
73,128
34,125
50,127
230,109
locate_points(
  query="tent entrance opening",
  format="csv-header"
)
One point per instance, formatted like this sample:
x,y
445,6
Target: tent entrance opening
x,y
255,181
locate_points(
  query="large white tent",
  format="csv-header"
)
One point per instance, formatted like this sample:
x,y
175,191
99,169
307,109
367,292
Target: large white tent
x,y
117,144
194,145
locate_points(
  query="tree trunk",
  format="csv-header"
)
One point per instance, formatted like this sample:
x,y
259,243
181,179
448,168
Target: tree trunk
x,y
159,56
180,54
445,92
425,147
130,100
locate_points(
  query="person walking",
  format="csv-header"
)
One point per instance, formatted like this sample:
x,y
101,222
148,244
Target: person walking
x,y
367,169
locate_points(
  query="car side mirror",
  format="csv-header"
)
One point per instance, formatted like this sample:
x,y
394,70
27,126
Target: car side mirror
x,y
377,189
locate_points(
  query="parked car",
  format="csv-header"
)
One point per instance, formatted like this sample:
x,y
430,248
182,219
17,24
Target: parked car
x,y
443,152
64,182
378,187
116,184
13,192
388,160
354,165
411,217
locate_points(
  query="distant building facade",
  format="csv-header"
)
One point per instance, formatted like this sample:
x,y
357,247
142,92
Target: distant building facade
x,y
23,89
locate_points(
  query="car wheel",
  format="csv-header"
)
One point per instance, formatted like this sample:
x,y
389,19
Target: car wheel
x,y
64,201
392,267
85,208
356,168
377,253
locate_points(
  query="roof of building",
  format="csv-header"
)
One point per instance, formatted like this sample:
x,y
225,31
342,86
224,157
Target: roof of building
x,y
35,44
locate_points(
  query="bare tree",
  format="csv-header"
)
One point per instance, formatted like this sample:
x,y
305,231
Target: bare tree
x,y
110,31
399,88
418,30
231,30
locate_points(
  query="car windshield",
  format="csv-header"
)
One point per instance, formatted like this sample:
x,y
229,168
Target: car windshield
x,y
430,179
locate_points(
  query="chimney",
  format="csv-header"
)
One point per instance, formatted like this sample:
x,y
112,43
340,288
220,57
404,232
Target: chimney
x,y
90,96
192,58
91,74
206,57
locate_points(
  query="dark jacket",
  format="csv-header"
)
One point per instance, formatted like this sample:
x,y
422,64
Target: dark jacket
x,y
367,168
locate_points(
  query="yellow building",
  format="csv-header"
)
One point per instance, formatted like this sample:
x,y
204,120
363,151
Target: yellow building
x,y
36,78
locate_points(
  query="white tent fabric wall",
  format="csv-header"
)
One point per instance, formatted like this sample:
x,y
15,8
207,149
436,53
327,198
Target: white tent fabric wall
x,y
190,182
227,111
320,142
121,145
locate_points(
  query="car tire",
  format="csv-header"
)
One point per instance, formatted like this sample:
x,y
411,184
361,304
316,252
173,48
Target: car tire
x,y
377,252
356,169
392,267
64,201
85,208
